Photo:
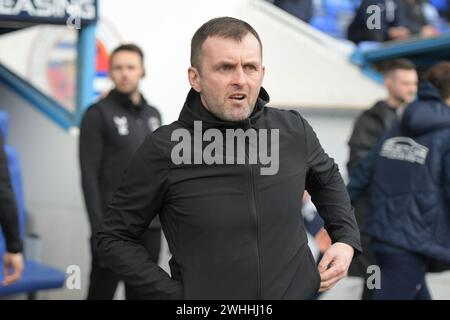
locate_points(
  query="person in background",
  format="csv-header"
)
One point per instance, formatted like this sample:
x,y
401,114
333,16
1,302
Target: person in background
x,y
408,174
111,131
398,20
400,81
314,224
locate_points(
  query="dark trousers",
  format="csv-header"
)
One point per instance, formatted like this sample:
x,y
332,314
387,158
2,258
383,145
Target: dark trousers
x,y
402,276
103,282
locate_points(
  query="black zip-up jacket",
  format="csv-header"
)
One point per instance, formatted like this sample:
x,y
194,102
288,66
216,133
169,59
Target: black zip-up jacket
x,y
9,219
233,233
111,131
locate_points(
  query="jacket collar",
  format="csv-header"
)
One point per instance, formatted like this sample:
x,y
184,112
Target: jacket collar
x,y
426,114
193,110
427,91
125,101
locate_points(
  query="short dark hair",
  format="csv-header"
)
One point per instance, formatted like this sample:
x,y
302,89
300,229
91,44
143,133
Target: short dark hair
x,y
389,66
439,76
128,47
225,27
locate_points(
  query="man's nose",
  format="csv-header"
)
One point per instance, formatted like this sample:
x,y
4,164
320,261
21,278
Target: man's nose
x,y
125,72
239,78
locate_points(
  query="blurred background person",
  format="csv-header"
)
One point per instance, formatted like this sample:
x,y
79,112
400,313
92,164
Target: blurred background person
x,y
398,20
400,81
409,178
111,131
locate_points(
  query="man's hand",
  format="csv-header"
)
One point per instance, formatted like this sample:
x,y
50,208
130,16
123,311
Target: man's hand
x,y
14,261
334,265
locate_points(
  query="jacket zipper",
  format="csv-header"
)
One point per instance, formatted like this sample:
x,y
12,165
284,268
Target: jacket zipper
x,y
254,212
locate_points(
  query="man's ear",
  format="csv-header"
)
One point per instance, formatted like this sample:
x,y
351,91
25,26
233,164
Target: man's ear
x,y
143,69
194,78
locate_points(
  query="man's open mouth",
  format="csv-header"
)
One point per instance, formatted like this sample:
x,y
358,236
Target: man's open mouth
x,y
238,96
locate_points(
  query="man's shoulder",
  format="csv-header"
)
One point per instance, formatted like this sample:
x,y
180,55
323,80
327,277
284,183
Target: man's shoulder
x,y
92,115
375,113
151,110
99,105
284,118
162,139
166,131
99,113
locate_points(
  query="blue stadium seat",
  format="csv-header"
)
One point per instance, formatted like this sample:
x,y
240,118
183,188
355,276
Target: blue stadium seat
x,y
335,7
333,16
327,24
441,5
36,276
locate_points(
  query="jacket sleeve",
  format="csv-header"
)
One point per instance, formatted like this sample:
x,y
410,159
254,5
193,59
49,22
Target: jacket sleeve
x,y
362,176
135,203
328,193
9,219
90,153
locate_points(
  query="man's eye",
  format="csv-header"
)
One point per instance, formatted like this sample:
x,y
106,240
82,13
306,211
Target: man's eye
x,y
225,67
250,67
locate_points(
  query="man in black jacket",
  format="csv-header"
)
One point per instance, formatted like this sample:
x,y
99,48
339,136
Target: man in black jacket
x,y
110,132
227,181
9,222
400,80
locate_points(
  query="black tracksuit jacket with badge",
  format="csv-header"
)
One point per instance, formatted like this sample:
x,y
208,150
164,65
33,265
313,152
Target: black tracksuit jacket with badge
x,y
233,233
111,131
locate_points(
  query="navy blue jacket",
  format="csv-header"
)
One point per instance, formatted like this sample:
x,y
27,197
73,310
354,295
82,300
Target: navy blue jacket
x,y
408,173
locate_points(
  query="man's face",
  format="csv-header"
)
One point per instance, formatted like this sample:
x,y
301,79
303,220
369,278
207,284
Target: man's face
x,y
402,85
230,78
126,71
